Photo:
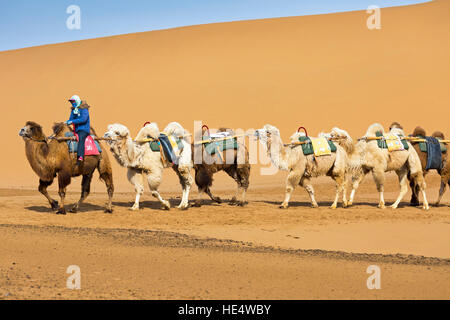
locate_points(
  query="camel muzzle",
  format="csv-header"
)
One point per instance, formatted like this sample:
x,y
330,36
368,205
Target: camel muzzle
x,y
23,133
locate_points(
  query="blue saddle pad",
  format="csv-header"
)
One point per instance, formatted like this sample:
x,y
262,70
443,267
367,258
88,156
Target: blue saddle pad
x,y
434,159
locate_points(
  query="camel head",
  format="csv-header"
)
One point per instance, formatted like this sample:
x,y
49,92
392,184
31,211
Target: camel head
x,y
32,131
116,132
149,131
266,133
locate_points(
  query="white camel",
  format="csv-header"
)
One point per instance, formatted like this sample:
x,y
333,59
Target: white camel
x,y
141,161
365,156
302,168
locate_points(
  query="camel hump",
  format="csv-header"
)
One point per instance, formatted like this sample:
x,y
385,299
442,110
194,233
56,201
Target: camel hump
x,y
438,134
395,124
373,129
223,129
419,131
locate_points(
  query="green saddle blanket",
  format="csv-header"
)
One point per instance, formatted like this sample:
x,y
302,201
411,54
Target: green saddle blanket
x,y
212,147
423,146
383,145
308,147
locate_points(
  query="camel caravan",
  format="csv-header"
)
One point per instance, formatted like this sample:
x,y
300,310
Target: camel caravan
x,y
335,154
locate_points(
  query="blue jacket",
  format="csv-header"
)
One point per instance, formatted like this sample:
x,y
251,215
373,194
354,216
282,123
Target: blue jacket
x,y
81,119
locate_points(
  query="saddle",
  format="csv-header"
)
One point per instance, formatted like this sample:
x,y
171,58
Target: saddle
x,y
224,141
434,149
170,147
423,145
391,142
91,146
317,146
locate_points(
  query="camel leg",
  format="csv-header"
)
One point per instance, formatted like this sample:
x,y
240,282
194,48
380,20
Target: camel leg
x,y
63,182
213,198
136,178
356,180
185,178
43,185
232,172
414,193
203,180
340,180
306,183
199,201
293,179
240,174
85,190
402,179
154,180
106,176
344,192
243,174
441,193
379,177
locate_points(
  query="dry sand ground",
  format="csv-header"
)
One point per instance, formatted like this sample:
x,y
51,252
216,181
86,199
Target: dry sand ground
x,y
315,71
224,252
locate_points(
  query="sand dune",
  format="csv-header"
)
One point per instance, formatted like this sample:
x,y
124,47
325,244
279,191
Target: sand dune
x,y
316,71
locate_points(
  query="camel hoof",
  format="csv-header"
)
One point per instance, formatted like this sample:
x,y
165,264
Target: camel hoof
x,y
414,204
393,207
284,206
427,207
183,207
241,203
55,205
109,210
218,200
197,204
166,206
382,206
61,211
134,208
333,207
314,205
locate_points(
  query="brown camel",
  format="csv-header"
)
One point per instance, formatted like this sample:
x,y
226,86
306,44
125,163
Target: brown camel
x,y
51,158
423,156
235,164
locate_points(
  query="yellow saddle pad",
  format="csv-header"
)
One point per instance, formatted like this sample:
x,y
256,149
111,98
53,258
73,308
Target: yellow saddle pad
x,y
393,142
175,146
321,147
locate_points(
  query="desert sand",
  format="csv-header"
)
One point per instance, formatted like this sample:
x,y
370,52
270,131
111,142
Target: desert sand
x,y
315,71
